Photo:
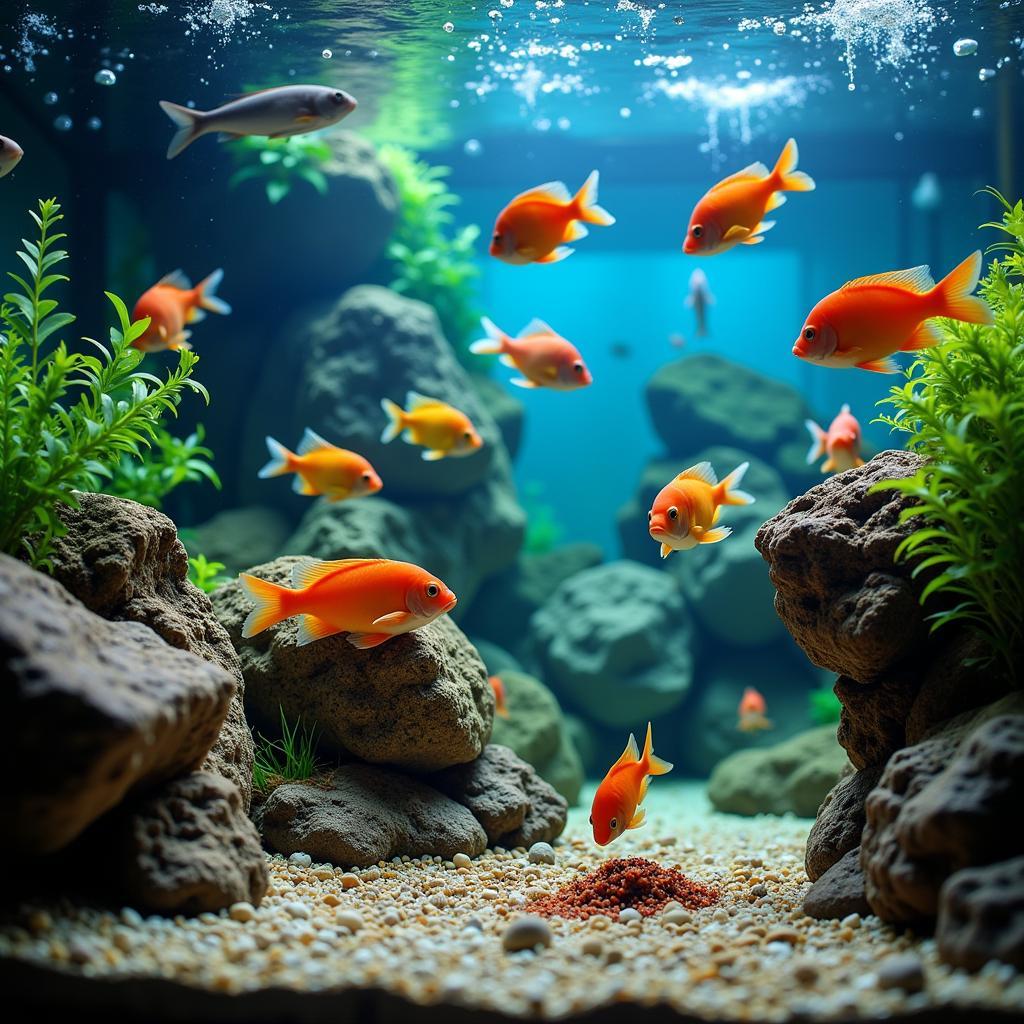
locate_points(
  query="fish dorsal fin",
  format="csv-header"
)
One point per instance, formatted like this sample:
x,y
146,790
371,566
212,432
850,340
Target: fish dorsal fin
x,y
305,574
175,279
754,171
313,442
551,191
702,471
845,408
631,755
414,400
535,326
916,279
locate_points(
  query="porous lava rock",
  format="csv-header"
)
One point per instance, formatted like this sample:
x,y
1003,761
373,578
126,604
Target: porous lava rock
x,y
420,701
190,847
365,814
840,820
98,709
617,641
124,561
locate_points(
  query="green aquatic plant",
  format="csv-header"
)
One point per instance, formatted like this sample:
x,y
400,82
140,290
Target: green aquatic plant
x,y
281,164
67,418
206,575
292,758
962,408
431,259
824,705
167,463
543,531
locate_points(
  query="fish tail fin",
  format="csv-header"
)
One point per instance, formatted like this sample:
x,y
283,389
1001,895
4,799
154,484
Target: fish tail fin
x,y
818,437
269,600
493,344
586,203
787,177
280,460
189,125
206,293
396,420
729,493
655,765
954,296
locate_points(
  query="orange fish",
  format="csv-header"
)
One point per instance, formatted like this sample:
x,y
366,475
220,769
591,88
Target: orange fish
x,y
500,706
752,712
841,443
545,359
732,212
617,801
322,468
685,511
439,427
535,226
371,599
171,304
869,319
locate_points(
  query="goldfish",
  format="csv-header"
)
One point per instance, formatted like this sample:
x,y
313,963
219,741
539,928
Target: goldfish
x,y
871,318
537,224
439,427
685,511
617,801
370,599
500,705
10,154
170,304
545,359
698,299
841,443
277,113
322,468
732,212
752,712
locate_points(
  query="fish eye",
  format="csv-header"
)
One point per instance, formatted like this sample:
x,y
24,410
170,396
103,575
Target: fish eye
x,y
367,477
613,824
673,513
577,367
497,236
650,515
432,590
809,333
698,230
339,97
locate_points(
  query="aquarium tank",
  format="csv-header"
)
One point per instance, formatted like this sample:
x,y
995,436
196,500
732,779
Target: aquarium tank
x,y
512,511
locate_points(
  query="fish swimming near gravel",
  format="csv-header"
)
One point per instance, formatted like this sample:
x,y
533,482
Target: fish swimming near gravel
x,y
322,468
277,113
10,154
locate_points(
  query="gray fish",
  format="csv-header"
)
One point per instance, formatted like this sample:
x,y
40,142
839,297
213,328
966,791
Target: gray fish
x,y
277,113
699,299
10,154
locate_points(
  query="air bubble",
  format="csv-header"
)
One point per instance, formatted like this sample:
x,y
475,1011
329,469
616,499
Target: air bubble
x,y
986,74
851,86
625,112
105,77
50,99
977,113
62,123
779,28
965,47
448,27
327,54
94,124
472,147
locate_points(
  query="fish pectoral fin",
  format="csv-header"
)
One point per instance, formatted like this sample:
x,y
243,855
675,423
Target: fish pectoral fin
x,y
736,233
665,551
432,455
526,251
884,365
551,372
522,382
338,494
180,341
926,335
364,641
300,485
765,225
556,255
776,200
312,628
638,819
228,136
719,533
575,231
393,619
507,360
753,240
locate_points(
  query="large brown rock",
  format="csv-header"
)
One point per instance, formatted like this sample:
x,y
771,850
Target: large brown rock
x,y
872,722
190,847
839,891
421,701
365,815
97,709
837,828
124,561
840,593
945,804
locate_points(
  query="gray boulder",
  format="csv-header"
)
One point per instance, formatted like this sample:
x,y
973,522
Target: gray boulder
x,y
508,412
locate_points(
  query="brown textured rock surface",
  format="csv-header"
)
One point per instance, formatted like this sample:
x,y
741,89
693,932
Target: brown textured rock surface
x,y
420,701
124,561
190,847
838,591
839,891
515,806
98,709
367,814
837,828
872,723
981,916
943,805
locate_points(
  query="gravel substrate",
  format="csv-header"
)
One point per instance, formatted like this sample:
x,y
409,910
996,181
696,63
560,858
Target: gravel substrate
x,y
438,933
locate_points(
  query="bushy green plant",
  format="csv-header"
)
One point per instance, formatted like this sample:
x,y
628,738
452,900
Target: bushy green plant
x,y
962,408
432,261
292,758
67,418
281,164
824,705
206,575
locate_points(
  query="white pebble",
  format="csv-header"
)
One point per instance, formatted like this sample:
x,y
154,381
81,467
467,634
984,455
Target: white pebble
x,y
541,853
297,910
303,860
627,914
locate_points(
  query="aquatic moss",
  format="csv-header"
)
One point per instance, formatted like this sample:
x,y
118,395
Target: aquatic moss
x,y
67,418
962,408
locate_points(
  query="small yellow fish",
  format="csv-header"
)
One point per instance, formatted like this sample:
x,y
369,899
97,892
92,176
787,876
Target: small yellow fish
x,y
322,468
439,427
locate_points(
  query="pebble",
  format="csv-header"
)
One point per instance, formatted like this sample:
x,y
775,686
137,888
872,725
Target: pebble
x,y
541,853
350,880
759,890
526,933
350,919
903,971
627,914
593,946
241,911
297,910
462,860
679,916
303,860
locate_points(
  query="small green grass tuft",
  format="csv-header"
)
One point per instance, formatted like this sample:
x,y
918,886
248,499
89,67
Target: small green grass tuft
x,y
206,575
292,758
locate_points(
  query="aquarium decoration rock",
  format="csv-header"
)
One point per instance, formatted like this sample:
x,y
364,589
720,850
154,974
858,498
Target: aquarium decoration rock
x,y
839,823
838,892
508,411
